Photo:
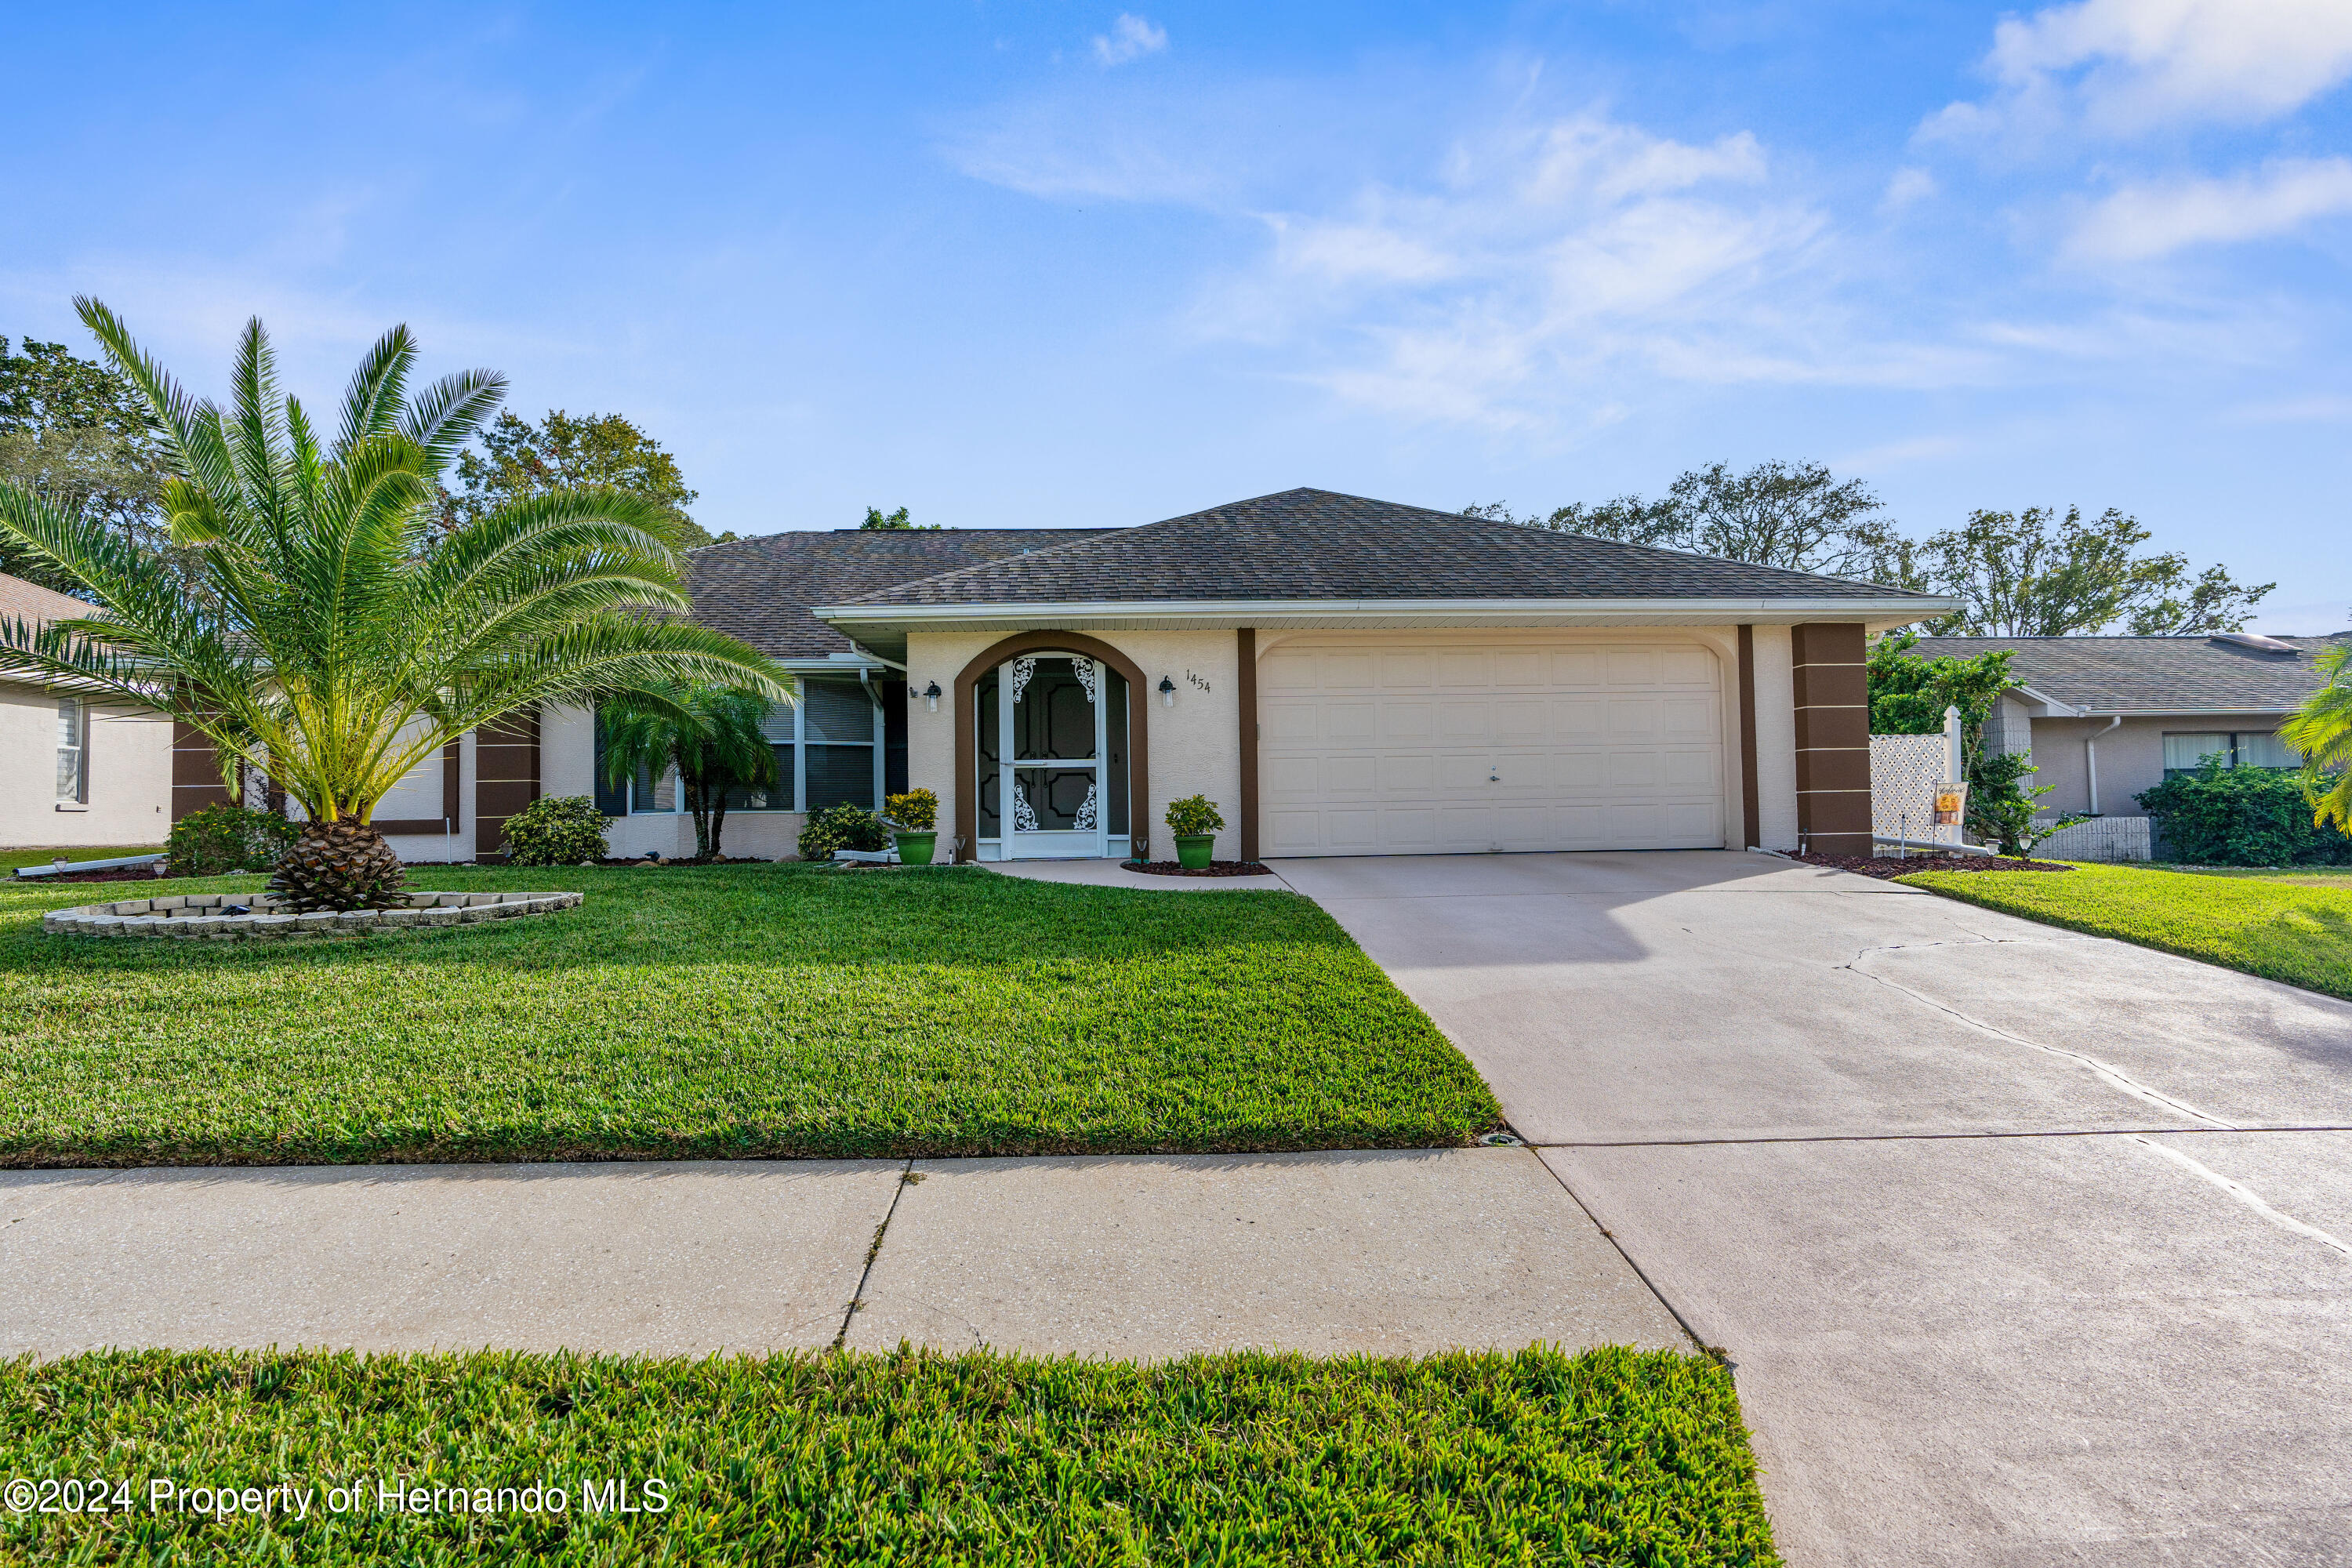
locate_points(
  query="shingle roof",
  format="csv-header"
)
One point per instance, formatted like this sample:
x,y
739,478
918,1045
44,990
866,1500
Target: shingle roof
x,y
1316,544
760,589
2106,675
31,602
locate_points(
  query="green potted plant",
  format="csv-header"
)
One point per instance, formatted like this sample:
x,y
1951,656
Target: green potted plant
x,y
1193,822
914,818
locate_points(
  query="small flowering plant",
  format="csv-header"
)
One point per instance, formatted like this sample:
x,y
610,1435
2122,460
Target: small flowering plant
x,y
1193,817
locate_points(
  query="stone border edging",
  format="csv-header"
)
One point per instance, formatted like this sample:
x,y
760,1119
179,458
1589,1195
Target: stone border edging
x,y
198,915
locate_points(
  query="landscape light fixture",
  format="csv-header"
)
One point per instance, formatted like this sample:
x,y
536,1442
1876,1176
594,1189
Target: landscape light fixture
x,y
931,696
1167,692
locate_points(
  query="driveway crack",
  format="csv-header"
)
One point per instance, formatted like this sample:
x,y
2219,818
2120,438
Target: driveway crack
x,y
2247,1196
2112,1077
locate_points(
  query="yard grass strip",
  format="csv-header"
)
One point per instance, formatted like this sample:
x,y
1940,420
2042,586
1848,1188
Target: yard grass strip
x,y
720,1012
2281,931
1612,1457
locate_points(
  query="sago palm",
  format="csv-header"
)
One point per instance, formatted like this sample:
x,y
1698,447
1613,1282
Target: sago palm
x,y
338,638
2322,731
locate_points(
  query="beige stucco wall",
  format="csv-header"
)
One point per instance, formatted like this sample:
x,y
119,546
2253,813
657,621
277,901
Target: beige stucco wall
x,y
1776,738
1194,745
129,764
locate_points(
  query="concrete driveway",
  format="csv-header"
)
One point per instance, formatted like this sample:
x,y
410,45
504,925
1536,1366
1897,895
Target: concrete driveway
x,y
2028,1248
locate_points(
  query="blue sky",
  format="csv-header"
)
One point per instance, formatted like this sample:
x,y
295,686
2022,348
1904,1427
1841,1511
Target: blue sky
x,y
1063,264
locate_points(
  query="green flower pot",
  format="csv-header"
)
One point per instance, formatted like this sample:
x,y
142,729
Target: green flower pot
x,y
1192,850
915,848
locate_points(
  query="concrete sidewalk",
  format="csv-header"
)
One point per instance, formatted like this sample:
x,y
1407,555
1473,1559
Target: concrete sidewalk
x,y
1392,1252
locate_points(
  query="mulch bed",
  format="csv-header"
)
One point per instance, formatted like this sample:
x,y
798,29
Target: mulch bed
x,y
1214,869
721,861
1885,867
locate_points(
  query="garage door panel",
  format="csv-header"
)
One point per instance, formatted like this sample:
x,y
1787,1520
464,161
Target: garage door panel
x,y
1692,718
1463,672
1445,749
1406,671
1691,770
1458,773
1289,779
1408,775
1518,668
1278,673
1412,722
1632,720
1290,718
1465,722
1578,773
1580,718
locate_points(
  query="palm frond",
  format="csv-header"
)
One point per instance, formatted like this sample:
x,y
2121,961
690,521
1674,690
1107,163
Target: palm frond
x,y
446,414
372,405
189,427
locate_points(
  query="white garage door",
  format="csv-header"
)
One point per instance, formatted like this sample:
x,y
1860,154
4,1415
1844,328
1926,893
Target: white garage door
x,y
1396,749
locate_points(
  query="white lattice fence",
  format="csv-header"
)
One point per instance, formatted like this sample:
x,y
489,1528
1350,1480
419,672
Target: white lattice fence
x,y
1903,772
2100,838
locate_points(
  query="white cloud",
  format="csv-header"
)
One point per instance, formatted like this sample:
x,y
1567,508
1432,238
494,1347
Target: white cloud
x,y
1130,39
2128,65
1543,268
1909,186
2139,223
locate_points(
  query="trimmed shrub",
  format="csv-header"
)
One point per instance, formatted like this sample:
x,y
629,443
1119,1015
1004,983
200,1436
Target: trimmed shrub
x,y
556,830
2242,817
222,838
1195,814
916,811
842,827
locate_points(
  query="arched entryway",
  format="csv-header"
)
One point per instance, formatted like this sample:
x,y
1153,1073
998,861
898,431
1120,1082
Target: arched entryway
x,y
1063,770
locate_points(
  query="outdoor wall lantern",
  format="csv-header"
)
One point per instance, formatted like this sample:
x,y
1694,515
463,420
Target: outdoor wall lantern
x,y
1167,692
931,696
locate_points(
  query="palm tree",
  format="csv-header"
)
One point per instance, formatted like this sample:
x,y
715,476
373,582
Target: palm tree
x,y
711,734
2322,731
339,636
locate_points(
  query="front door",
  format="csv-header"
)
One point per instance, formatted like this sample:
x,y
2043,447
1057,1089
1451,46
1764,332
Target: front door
x,y
1050,747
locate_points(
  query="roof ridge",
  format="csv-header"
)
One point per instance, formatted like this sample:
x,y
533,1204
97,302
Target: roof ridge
x,y
1095,537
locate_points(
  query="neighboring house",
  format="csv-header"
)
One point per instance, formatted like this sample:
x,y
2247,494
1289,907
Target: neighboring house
x,y
2107,718
74,773
1342,676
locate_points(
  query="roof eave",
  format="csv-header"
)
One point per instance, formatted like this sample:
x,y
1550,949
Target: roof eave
x,y
1892,610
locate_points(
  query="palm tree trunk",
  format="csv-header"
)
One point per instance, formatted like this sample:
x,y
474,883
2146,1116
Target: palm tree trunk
x,y
718,822
699,803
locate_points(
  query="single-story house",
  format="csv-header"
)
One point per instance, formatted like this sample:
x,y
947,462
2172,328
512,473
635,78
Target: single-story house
x,y
2107,718
75,772
1341,676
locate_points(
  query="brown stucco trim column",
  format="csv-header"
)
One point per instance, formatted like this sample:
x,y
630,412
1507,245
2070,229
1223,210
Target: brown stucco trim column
x,y
1833,698
506,778
1246,650
1750,814
967,743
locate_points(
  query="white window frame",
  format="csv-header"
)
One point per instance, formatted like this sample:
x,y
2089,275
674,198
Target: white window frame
x,y
78,724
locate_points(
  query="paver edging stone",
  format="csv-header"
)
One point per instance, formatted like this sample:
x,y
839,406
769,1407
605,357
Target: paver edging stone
x,y
204,917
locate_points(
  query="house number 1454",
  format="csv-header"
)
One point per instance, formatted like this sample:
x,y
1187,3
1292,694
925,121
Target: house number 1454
x,y
1196,681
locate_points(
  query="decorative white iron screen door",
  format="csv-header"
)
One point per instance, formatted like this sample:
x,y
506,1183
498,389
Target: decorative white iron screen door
x,y
1050,746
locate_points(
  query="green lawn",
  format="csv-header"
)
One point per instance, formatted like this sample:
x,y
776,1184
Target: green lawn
x,y
726,1011
1613,1456
2279,929
2299,876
